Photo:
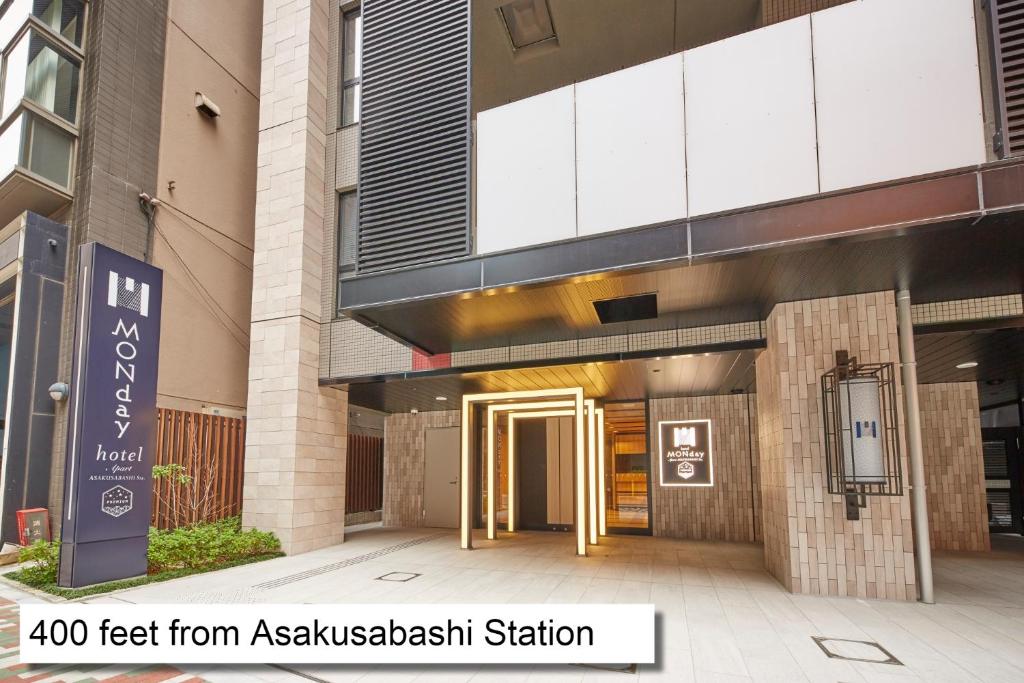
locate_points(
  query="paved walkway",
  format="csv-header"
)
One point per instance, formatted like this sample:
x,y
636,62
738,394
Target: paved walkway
x,y
723,617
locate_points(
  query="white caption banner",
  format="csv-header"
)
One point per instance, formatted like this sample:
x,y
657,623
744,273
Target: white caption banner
x,y
334,634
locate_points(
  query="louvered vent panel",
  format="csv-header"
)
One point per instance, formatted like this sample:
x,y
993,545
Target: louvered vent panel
x,y
414,133
994,453
1007,17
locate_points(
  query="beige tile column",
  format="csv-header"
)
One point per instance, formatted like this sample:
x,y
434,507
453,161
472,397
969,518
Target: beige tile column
x,y
954,466
295,442
809,544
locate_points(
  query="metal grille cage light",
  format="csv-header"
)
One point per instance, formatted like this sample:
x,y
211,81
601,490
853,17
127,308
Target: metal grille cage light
x,y
862,446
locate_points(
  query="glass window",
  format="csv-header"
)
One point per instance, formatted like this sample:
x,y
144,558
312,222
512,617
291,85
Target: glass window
x,y
10,145
351,65
39,146
38,72
47,151
348,223
63,17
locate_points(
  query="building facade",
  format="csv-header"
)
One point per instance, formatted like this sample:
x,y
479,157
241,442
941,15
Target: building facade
x,y
656,213
103,141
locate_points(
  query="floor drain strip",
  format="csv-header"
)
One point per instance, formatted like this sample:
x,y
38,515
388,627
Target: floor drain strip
x,y
335,566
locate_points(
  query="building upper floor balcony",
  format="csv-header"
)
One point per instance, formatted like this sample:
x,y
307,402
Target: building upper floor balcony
x,y
39,103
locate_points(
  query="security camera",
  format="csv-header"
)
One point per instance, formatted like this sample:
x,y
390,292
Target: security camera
x,y
58,391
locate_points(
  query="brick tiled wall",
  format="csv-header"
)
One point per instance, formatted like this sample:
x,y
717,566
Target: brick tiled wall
x,y
954,466
774,11
404,454
727,511
810,546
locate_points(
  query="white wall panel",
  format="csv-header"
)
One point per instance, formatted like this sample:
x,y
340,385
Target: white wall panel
x,y
526,185
898,90
631,161
750,135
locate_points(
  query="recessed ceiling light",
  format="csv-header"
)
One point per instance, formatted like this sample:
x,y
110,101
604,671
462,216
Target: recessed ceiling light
x,y
528,22
967,366
414,411
441,398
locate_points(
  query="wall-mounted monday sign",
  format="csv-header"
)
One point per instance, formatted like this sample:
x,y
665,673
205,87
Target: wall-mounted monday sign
x,y
112,419
684,450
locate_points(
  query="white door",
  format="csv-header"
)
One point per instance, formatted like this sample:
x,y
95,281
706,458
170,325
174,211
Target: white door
x,y
441,478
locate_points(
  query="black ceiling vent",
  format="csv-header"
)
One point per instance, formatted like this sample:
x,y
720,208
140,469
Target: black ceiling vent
x,y
627,308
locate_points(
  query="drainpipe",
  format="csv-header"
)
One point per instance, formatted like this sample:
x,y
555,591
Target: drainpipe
x,y
918,503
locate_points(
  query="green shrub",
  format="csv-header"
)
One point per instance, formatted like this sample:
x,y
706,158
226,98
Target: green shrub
x,y
39,563
206,545
185,549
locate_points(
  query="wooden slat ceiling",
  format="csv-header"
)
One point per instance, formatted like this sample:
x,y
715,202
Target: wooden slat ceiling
x,y
937,264
625,418
698,375
998,352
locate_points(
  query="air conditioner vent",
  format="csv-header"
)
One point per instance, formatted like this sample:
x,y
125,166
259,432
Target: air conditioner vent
x,y
414,134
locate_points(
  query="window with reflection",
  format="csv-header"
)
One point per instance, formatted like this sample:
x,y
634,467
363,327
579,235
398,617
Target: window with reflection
x,y
37,71
63,17
39,146
351,65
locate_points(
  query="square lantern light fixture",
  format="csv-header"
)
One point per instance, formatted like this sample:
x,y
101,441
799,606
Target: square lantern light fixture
x,y
862,446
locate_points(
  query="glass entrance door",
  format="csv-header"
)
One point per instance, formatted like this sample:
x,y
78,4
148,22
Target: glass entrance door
x,y
627,475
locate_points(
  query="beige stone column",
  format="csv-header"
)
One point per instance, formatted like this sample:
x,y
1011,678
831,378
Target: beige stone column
x,y
295,442
809,545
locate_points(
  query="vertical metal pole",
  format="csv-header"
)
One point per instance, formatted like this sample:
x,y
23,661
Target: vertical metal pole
x,y
919,505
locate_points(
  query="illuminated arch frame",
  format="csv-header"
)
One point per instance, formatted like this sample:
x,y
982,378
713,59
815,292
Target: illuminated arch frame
x,y
510,408
466,462
595,460
602,523
513,489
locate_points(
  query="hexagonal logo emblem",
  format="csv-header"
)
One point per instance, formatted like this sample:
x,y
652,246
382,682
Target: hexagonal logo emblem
x,y
116,501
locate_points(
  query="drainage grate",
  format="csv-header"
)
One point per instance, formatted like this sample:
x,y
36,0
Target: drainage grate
x,y
398,577
358,559
855,650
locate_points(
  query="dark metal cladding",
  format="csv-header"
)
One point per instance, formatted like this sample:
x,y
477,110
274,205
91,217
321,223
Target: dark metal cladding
x,y
414,132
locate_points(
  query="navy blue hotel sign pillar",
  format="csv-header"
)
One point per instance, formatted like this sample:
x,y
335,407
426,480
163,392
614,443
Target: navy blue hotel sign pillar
x,y
112,419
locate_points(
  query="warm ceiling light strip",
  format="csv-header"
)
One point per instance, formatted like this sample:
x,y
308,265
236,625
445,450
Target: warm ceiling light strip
x,y
581,479
591,471
492,498
602,525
